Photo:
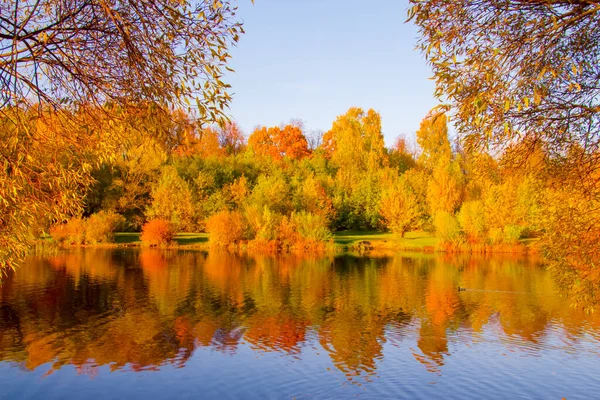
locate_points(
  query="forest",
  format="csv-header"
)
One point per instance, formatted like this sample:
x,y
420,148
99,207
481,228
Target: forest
x,y
281,191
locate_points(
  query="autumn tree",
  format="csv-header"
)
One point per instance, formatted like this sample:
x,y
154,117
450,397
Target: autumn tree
x,y
400,156
445,189
172,200
514,70
61,56
355,140
355,146
432,138
231,138
400,207
279,142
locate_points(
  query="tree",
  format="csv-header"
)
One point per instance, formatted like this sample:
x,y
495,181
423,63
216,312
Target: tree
x,y
278,143
400,156
95,51
66,63
232,138
172,201
514,70
355,144
445,190
432,138
400,208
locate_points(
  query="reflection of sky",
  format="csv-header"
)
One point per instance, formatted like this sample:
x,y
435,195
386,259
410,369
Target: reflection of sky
x,y
484,368
314,59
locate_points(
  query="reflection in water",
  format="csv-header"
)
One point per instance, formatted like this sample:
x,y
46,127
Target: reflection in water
x,y
142,310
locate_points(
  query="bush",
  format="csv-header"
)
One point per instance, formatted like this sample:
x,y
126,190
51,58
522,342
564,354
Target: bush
x,y
265,225
446,227
157,232
512,234
226,228
71,232
101,227
496,236
311,227
472,219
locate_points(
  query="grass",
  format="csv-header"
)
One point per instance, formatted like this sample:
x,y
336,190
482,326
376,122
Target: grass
x,y
189,239
344,241
182,239
127,238
417,240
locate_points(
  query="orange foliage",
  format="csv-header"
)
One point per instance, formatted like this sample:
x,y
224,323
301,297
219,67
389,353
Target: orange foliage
x,y
226,228
157,232
208,145
71,232
278,143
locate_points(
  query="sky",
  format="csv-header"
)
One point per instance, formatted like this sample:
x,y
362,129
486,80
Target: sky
x,y
314,59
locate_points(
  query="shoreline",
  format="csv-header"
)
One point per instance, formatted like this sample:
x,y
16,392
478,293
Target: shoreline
x,y
348,242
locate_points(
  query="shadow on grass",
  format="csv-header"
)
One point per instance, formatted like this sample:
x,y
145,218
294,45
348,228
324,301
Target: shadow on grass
x,y
127,237
348,237
191,238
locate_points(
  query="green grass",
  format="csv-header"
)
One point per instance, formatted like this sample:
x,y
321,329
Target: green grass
x,y
186,239
344,240
412,240
127,238
182,239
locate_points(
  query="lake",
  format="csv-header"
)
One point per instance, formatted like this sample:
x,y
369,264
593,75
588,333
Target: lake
x,y
139,324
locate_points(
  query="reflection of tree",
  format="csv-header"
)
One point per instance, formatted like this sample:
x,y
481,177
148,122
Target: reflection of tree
x,y
141,310
433,343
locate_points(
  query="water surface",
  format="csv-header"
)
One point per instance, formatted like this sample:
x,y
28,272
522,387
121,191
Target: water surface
x,y
165,324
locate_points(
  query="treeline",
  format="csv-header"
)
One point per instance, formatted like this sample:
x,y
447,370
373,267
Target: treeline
x,y
275,191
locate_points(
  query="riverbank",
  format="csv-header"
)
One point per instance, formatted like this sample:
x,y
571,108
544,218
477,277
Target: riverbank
x,y
343,242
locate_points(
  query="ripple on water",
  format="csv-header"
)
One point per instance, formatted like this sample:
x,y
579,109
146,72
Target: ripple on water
x,y
181,325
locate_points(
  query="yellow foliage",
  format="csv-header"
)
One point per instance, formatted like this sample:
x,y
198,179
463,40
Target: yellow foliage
x,y
101,227
400,209
472,220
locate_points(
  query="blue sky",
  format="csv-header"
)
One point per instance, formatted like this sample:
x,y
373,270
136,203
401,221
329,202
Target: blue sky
x,y
314,59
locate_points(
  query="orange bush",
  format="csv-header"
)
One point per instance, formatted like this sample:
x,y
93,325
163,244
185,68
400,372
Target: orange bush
x,y
157,232
71,232
226,228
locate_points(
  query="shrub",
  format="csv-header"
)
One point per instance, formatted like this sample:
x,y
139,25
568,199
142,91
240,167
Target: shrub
x,y
71,232
101,227
512,234
311,227
472,219
287,233
446,227
266,224
157,232
226,228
